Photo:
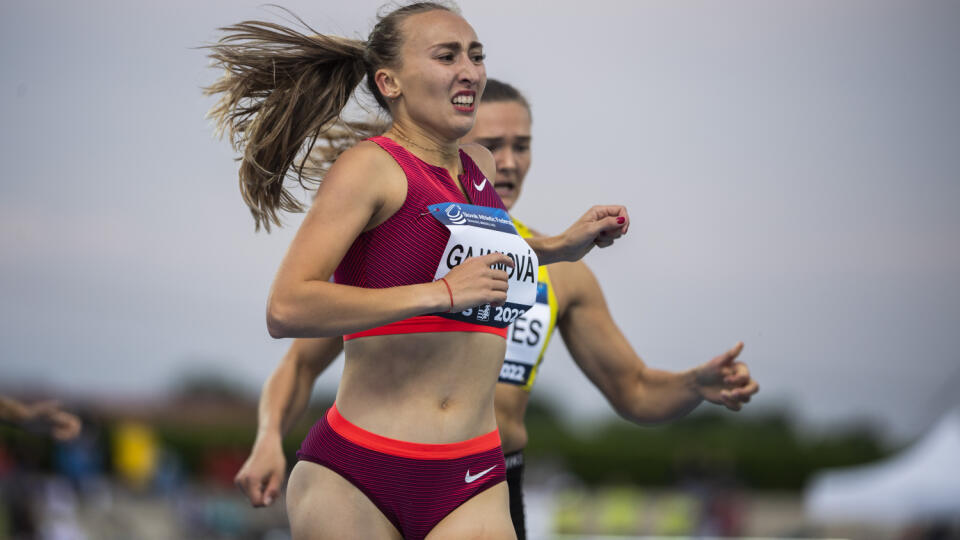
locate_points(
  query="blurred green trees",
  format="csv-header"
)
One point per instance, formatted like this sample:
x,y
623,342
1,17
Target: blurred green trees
x,y
759,451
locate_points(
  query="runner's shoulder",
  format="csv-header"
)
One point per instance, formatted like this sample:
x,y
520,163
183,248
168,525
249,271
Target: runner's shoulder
x,y
367,167
366,157
482,157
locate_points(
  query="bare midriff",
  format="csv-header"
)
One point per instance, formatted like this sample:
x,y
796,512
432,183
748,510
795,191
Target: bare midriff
x,y
432,388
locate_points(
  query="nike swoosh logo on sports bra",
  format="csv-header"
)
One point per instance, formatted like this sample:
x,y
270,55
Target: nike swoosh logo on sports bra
x,y
479,186
473,478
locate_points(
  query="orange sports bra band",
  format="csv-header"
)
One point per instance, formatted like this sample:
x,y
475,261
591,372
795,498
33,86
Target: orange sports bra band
x,y
426,323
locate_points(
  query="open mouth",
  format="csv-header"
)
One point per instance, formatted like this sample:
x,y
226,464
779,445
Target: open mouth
x,y
464,101
505,186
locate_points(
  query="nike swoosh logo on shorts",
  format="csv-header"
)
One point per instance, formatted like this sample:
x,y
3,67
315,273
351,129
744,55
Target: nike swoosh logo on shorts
x,y
472,478
479,187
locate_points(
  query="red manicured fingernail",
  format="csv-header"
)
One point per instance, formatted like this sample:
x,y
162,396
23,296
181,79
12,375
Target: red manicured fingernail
x,y
621,219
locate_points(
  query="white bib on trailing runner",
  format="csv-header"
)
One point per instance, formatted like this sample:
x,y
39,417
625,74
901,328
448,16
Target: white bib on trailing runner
x,y
529,335
479,230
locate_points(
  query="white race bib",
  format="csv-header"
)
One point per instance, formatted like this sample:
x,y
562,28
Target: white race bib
x,y
479,230
526,339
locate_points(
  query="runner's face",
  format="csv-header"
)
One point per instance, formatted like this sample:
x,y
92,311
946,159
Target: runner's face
x,y
442,72
503,127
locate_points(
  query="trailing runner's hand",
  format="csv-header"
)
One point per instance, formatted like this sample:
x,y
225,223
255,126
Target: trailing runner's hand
x,y
725,381
262,474
600,226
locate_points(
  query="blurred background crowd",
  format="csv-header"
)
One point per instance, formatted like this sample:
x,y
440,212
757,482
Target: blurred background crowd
x,y
164,469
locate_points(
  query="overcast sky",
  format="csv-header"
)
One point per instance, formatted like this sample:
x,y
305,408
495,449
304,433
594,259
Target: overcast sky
x,y
792,170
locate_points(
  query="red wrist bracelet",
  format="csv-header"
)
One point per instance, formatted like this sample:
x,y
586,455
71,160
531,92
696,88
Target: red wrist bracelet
x,y
450,292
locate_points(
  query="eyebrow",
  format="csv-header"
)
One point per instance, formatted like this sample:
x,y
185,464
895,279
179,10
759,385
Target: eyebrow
x,y
456,45
521,138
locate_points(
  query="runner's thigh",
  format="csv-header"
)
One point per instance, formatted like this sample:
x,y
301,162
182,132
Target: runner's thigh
x,y
322,505
483,517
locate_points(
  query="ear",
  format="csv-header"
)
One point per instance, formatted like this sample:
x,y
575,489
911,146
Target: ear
x,y
387,83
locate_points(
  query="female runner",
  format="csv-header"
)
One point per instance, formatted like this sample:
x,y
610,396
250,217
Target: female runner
x,y
428,270
569,298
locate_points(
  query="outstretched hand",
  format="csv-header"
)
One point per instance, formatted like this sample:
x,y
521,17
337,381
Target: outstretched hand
x,y
725,381
600,226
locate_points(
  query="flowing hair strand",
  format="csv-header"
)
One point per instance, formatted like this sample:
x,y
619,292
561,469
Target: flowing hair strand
x,y
281,90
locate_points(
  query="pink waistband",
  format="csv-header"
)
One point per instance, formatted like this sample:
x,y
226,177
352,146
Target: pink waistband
x,y
395,447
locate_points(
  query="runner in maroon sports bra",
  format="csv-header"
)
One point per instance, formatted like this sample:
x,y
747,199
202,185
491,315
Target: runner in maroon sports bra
x,y
428,269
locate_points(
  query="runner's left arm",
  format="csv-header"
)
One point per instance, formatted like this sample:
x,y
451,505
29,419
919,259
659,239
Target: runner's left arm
x,y
637,392
600,226
283,400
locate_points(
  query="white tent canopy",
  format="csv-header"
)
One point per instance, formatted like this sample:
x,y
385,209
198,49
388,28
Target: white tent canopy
x,y
922,482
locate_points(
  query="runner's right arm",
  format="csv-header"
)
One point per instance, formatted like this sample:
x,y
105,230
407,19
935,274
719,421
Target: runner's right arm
x,y
362,190
283,399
